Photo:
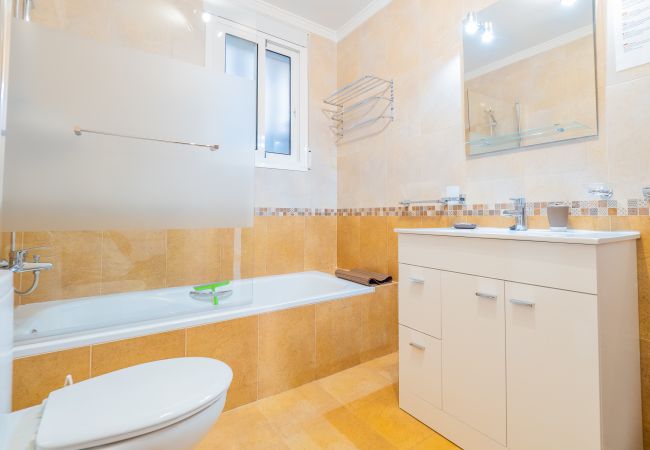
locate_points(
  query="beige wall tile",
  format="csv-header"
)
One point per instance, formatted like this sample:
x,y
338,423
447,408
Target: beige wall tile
x,y
193,256
76,256
641,224
261,244
36,376
287,350
380,329
339,334
133,261
248,252
235,343
391,224
348,242
645,389
491,221
589,223
373,244
130,352
320,243
285,250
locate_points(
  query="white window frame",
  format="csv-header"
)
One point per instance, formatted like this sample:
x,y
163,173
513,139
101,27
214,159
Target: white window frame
x,y
299,159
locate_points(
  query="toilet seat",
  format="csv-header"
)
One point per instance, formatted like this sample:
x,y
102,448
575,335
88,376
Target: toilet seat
x,y
130,402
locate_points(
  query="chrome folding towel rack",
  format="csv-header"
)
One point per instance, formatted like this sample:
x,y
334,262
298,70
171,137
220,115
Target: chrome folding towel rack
x,y
358,106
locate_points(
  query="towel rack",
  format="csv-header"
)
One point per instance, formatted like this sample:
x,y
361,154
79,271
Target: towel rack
x,y
445,201
79,131
361,104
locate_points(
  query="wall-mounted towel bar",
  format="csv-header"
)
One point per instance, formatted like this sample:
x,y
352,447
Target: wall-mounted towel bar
x,y
79,131
445,200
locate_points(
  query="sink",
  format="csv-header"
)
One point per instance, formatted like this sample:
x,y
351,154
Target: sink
x,y
567,237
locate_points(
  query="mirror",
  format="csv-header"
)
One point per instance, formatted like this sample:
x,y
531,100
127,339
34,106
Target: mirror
x,y
530,74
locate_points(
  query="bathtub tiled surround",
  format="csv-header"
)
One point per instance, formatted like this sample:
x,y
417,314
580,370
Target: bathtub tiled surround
x,y
269,353
98,263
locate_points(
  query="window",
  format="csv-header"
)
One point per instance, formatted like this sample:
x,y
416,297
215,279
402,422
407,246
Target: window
x,y
280,71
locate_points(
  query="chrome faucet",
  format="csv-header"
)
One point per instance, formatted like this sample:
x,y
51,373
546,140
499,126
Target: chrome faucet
x,y
18,263
519,213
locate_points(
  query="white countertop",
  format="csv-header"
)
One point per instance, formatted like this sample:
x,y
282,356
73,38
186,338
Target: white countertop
x,y
566,237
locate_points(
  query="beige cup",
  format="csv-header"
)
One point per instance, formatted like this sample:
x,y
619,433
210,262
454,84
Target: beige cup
x,y
558,217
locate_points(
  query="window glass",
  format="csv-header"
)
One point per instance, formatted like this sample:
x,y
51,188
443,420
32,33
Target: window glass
x,y
278,103
241,57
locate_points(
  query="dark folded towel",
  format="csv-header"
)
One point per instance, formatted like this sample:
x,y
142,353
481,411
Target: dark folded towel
x,y
364,277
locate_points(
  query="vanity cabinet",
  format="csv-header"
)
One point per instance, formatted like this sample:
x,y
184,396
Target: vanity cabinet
x,y
473,343
521,340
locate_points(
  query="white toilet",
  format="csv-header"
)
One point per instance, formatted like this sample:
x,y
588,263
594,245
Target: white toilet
x,y
169,404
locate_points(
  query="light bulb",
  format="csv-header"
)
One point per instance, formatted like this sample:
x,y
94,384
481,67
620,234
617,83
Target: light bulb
x,y
488,33
471,23
206,17
567,2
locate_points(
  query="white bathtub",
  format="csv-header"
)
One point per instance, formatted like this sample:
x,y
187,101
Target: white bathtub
x,y
57,325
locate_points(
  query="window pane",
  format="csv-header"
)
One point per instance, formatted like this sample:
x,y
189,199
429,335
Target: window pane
x,y
278,103
241,57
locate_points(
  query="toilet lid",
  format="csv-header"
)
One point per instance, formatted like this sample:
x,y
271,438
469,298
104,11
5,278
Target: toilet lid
x,y
130,402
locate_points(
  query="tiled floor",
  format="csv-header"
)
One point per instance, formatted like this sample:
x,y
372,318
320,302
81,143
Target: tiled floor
x,y
353,409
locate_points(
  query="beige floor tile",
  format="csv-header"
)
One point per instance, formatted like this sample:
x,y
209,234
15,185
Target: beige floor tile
x,y
354,383
243,428
380,412
314,416
436,442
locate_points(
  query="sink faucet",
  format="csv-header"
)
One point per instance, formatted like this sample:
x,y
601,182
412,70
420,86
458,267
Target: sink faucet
x,y
519,213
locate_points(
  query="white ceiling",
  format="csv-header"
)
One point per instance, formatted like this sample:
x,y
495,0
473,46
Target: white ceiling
x,y
332,14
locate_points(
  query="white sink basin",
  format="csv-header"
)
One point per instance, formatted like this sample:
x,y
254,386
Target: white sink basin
x,y
566,237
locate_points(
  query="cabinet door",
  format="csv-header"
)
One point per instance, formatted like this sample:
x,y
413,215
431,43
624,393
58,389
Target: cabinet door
x,y
419,299
473,352
419,365
552,361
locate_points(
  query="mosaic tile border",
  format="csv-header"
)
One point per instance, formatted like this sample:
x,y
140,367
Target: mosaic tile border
x,y
584,208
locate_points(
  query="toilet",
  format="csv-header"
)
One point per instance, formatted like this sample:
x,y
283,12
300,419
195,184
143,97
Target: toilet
x,y
168,404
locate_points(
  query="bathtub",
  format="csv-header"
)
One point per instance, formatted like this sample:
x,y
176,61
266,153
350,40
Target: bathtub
x,y
62,324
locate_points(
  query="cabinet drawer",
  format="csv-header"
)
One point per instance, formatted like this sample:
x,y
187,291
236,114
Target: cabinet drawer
x,y
420,365
419,299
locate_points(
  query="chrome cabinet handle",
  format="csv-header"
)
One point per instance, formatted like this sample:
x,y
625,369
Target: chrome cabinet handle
x,y
416,280
418,346
486,296
528,303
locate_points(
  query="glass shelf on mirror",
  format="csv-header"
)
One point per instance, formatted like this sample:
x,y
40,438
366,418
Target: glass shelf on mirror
x,y
496,141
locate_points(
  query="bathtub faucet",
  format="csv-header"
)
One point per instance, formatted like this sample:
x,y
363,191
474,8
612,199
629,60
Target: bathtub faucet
x,y
17,263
